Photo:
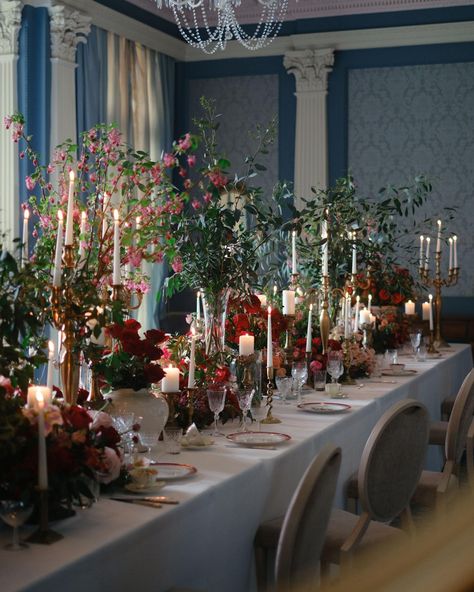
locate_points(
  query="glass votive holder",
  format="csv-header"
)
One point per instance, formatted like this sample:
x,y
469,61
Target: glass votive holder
x,y
319,380
172,437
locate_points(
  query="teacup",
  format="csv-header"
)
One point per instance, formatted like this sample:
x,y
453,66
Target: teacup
x,y
143,477
333,389
397,367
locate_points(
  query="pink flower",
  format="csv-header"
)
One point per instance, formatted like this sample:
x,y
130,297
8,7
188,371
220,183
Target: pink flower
x,y
7,122
22,155
315,365
177,265
169,160
6,384
100,420
30,183
191,160
185,143
134,256
50,169
112,465
196,204
207,197
114,137
218,179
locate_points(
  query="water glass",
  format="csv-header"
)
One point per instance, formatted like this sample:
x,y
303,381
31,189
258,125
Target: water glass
x,y
392,356
15,513
319,380
172,438
415,339
299,372
259,411
284,385
421,353
335,366
216,399
244,397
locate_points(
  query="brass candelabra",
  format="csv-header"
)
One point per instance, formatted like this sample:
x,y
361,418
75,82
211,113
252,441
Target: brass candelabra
x,y
270,417
438,282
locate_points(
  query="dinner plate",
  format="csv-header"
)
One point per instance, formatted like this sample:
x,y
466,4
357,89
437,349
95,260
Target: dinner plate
x,y
258,438
173,471
208,442
323,407
398,372
134,488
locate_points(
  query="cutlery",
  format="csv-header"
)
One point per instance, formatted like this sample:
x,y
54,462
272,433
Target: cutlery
x,y
156,499
138,502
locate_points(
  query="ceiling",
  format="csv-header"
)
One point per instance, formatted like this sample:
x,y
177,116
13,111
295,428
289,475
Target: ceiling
x,y
249,10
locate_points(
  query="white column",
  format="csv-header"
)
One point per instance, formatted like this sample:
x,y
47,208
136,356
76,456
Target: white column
x,y
68,28
10,22
310,68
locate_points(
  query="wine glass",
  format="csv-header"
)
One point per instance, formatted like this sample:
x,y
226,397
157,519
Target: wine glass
x,y
415,339
299,372
216,399
260,411
244,397
15,513
284,384
335,366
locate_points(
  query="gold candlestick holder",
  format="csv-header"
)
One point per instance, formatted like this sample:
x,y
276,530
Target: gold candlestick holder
x,y
191,394
294,281
247,370
288,349
438,282
270,417
346,345
308,362
324,320
368,334
172,400
43,535
431,345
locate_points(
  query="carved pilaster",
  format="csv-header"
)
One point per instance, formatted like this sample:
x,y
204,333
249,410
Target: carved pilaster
x,y
69,27
10,23
310,68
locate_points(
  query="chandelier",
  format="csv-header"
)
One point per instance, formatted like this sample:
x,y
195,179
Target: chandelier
x,y
210,24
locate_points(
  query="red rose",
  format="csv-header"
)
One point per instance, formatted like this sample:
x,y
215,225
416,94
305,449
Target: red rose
x,y
334,345
397,298
109,435
252,305
129,335
301,342
222,375
153,373
384,295
241,323
77,417
155,335
114,330
132,324
316,342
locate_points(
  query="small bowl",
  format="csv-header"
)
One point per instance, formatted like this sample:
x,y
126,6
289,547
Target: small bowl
x,y
397,367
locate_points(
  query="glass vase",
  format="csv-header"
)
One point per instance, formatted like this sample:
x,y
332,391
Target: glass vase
x,y
214,321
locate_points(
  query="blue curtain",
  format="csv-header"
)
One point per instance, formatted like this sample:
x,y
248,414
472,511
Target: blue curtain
x,y
91,80
34,87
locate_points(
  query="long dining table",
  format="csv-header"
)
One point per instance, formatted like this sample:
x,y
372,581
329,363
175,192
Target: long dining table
x,y
206,541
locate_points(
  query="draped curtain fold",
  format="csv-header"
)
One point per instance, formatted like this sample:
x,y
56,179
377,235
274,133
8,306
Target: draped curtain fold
x,y
139,96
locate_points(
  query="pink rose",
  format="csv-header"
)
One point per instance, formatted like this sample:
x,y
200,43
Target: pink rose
x,y
100,420
30,183
185,143
191,160
177,265
112,465
169,160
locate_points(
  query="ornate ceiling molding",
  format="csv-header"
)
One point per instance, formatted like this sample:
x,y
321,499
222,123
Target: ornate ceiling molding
x,y
10,23
69,27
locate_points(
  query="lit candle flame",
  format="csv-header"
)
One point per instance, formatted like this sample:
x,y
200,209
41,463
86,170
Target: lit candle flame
x,y
116,215
71,176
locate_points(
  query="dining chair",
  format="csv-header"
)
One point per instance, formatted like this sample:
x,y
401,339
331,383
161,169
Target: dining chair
x,y
391,465
436,487
298,537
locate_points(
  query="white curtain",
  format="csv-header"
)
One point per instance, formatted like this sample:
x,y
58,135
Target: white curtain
x,y
139,99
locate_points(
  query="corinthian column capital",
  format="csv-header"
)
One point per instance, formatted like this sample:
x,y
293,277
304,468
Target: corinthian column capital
x,y
69,27
10,22
310,68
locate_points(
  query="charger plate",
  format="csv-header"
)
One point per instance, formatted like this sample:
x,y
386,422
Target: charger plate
x,y
323,407
404,372
258,438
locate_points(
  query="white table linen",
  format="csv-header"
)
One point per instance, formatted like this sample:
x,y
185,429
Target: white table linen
x,y
206,541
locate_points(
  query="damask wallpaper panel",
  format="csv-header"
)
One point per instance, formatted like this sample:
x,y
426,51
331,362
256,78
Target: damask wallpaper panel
x,y
243,102
408,120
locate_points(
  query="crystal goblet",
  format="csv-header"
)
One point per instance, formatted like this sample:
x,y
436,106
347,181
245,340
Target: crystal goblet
x,y
15,513
216,399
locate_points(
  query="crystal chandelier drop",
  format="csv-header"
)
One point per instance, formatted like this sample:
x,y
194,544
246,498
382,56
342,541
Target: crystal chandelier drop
x,y
210,24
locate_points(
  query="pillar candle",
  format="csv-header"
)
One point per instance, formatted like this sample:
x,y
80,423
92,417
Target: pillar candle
x,y
263,300
356,314
116,281
198,306
369,302
70,212
49,375
450,253
192,360
354,255
455,243
409,308
430,296
170,382
288,299
31,401
269,339
364,317
26,218
58,252
438,240
427,256
293,252
246,345
421,250
309,330
425,308
42,460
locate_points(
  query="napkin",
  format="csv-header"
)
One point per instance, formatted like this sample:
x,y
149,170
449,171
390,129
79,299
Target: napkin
x,y
193,437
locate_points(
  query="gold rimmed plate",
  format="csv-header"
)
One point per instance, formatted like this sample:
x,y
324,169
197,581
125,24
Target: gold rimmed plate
x,y
403,372
256,439
173,471
324,407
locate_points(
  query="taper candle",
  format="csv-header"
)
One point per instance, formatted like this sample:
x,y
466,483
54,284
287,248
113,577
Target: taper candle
x,y
430,296
70,212
42,460
117,280
438,240
427,256
49,375
369,302
309,330
324,247
347,304
356,316
198,306
192,360
105,206
354,254
25,238
269,339
455,243
450,253
293,253
82,231
421,250
58,253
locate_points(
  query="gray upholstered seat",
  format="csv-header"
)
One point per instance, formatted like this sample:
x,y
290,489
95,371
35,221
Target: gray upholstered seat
x,y
390,468
299,536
